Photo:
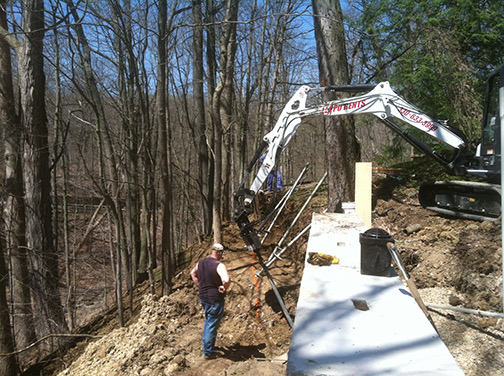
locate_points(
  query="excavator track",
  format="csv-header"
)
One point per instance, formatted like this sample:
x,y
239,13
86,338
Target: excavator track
x,y
462,199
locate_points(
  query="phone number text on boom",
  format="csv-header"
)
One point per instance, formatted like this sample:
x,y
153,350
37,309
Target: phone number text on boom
x,y
418,119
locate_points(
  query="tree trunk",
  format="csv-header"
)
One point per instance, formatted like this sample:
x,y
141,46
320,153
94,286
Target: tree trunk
x,y
24,330
132,126
199,115
211,75
342,148
8,366
14,220
164,146
37,178
227,126
221,111
60,168
161,107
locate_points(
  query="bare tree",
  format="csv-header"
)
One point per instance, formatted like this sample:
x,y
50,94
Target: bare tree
x,y
14,209
200,125
109,175
342,148
36,174
134,122
221,111
22,317
168,266
165,181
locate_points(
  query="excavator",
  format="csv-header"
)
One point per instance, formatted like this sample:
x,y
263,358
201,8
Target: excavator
x,y
476,200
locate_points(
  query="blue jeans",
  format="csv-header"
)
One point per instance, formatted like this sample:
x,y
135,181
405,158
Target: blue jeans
x,y
213,316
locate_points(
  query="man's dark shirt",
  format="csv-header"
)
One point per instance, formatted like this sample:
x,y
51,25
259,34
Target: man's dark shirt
x,y
209,280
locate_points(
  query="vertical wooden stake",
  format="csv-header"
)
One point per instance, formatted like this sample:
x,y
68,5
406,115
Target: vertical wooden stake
x,y
363,176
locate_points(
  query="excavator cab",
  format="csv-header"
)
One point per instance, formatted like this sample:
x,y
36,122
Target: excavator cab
x,y
490,150
475,200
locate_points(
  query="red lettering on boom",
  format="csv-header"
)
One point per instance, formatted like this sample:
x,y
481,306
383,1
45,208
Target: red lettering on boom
x,y
334,108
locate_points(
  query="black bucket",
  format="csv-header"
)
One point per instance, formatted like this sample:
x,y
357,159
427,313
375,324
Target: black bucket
x,y
375,256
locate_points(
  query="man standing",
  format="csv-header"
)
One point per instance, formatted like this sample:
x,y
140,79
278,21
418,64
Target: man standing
x,y
212,278
271,177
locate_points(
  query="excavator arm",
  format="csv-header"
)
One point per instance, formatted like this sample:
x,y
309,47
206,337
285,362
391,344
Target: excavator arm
x,y
381,101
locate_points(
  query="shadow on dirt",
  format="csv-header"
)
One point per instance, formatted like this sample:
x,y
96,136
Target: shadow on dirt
x,y
291,290
238,353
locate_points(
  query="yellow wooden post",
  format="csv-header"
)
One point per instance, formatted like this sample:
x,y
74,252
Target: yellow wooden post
x,y
363,176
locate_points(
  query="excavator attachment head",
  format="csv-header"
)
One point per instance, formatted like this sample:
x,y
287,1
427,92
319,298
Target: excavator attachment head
x,y
249,233
247,230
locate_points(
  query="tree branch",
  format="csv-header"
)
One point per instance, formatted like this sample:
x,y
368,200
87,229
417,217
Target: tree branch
x,y
10,39
47,337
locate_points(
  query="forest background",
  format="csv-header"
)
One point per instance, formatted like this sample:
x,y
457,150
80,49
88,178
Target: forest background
x,y
132,123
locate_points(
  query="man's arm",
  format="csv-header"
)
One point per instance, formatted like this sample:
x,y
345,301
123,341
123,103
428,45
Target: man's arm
x,y
194,275
226,280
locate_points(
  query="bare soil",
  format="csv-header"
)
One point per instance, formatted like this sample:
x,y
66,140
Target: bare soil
x,y
452,261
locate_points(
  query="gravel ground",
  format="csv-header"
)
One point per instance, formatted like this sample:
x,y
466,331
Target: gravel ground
x,y
476,341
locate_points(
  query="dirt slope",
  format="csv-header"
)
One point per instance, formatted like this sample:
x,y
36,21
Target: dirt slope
x,y
451,261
